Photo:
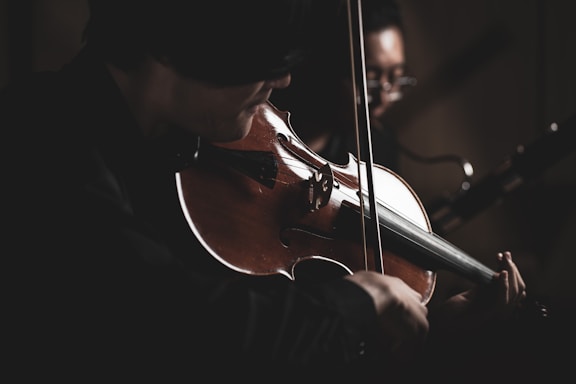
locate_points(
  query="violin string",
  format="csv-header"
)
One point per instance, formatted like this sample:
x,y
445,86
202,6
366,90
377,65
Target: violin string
x,y
297,164
405,228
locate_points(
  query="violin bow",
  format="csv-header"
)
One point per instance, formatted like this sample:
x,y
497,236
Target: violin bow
x,y
362,128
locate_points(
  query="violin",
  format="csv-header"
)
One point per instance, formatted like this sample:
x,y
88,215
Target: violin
x,y
292,212
290,208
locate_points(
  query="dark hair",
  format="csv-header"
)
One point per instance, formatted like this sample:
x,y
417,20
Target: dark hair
x,y
222,41
380,14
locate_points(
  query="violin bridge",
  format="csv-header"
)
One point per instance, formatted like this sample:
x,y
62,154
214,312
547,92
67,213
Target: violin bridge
x,y
320,187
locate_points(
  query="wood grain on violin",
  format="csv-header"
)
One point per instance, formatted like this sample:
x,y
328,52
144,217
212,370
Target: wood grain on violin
x,y
291,207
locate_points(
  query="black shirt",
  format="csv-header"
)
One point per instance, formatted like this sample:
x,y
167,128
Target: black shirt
x,y
104,272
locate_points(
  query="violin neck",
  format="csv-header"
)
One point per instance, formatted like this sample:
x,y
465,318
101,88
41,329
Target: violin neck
x,y
428,249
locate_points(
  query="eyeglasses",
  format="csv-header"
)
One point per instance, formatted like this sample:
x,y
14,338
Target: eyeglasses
x,y
394,87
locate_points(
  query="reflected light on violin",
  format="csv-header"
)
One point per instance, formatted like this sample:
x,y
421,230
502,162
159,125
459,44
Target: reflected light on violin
x,y
271,172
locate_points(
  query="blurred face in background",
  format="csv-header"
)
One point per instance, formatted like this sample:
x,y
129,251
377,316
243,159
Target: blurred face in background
x,y
385,69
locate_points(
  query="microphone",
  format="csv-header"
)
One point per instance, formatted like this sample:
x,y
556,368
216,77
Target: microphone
x,y
525,164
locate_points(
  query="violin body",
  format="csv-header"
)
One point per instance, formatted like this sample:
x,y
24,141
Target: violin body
x,y
268,205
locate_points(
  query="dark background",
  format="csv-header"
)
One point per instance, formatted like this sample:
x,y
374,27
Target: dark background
x,y
492,75
507,95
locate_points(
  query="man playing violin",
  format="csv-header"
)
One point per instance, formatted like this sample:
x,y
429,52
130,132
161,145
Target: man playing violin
x,y
106,278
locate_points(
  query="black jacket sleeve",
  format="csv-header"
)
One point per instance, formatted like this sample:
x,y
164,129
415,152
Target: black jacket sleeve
x,y
93,289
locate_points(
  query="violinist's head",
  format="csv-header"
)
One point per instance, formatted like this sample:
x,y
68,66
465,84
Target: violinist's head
x,y
201,66
385,56
325,119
